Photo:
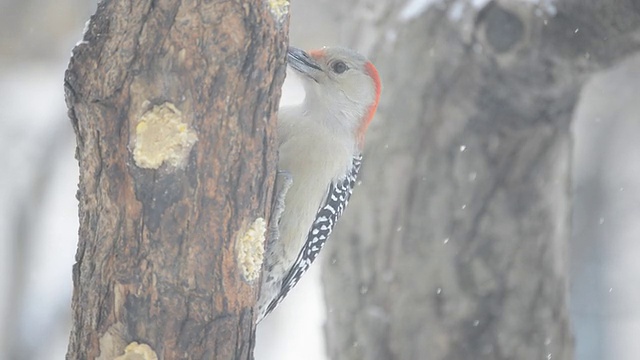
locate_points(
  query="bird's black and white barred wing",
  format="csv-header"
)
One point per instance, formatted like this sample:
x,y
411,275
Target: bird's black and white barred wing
x,y
335,203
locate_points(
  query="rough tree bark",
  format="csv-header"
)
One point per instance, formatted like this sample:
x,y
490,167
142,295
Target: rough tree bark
x,y
454,245
173,103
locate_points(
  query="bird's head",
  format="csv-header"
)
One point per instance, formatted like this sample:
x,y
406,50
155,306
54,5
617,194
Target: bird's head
x,y
340,81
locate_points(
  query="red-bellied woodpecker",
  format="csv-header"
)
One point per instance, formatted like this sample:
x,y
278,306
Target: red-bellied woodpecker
x,y
320,145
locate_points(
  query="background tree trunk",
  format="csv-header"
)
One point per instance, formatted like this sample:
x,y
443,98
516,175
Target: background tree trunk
x,y
173,104
454,245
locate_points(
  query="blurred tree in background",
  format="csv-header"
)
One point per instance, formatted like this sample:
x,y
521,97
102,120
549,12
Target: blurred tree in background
x,y
455,245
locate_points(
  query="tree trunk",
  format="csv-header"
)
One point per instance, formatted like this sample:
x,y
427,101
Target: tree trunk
x,y
173,104
454,246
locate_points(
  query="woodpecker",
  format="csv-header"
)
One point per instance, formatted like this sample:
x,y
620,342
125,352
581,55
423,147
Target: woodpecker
x,y
320,151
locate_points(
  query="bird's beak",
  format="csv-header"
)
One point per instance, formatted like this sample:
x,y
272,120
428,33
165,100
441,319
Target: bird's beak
x,y
302,62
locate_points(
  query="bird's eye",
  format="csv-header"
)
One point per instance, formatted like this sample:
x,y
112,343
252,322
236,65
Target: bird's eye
x,y
339,67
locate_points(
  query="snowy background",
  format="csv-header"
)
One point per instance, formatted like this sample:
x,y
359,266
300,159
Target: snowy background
x,y
38,209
